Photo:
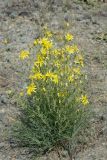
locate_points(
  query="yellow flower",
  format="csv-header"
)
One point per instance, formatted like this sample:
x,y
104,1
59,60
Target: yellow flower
x,y
39,61
52,76
43,51
48,34
69,37
71,78
69,49
55,79
56,52
46,43
49,74
84,100
36,41
24,54
31,88
60,94
36,76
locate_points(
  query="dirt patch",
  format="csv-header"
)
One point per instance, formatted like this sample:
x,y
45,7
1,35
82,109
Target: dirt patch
x,y
20,24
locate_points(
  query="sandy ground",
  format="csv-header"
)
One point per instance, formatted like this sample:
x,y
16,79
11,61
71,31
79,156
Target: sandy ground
x,y
20,23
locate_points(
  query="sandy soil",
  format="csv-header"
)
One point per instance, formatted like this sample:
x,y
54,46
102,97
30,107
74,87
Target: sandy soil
x,y
20,24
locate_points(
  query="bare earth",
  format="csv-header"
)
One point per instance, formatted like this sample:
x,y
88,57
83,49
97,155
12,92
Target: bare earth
x,y
19,24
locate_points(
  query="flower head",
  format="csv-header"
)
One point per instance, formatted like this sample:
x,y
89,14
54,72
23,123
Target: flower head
x,y
69,37
69,49
46,43
36,42
24,54
55,79
43,51
36,76
49,74
39,61
71,78
84,100
48,33
31,88
52,76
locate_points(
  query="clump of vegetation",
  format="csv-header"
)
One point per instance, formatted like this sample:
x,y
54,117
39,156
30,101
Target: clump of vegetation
x,y
54,103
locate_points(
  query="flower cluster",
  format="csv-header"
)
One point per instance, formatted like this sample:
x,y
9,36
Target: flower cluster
x,y
56,68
